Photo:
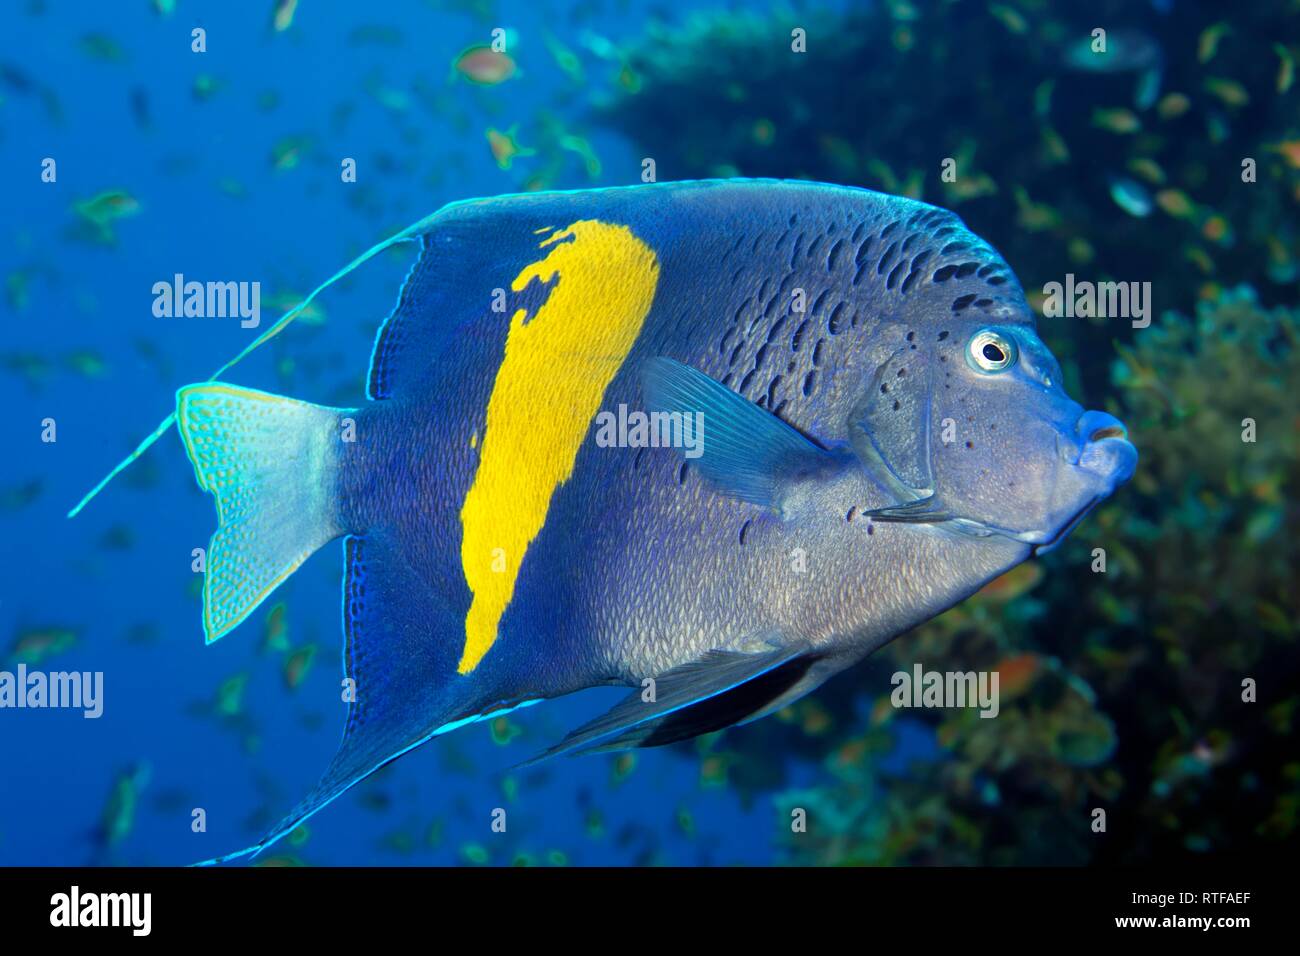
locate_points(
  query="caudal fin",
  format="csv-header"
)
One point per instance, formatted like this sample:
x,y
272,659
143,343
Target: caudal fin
x,y
272,464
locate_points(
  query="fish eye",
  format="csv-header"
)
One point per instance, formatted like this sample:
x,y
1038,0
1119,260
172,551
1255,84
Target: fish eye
x,y
990,352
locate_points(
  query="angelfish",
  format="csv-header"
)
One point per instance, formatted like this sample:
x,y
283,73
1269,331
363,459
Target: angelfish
x,y
883,434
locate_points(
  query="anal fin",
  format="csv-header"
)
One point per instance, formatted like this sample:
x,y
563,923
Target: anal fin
x,y
720,689
400,656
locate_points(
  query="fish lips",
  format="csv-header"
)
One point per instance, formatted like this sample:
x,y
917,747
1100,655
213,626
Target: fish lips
x,y
1113,460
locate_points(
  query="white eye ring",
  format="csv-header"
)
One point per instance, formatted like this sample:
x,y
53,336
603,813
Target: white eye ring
x,y
990,352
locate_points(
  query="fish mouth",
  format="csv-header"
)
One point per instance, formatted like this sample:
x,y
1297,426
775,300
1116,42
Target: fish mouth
x,y
1110,431
1043,547
1040,542
1103,450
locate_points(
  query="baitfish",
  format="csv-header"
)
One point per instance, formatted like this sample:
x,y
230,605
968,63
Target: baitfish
x,y
715,440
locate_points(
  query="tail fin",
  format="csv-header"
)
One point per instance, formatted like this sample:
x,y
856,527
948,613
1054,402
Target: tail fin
x,y
411,232
272,465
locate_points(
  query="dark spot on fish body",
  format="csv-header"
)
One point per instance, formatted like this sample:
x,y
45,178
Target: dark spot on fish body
x,y
852,512
794,253
934,218
771,390
961,303
834,324
817,353
912,278
942,336
809,381
533,296
819,302
813,247
735,353
887,258
681,473
744,531
833,256
740,310
769,310
797,340
744,383
864,249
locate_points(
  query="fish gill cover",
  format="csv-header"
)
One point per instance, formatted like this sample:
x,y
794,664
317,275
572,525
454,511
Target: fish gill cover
x,y
1136,166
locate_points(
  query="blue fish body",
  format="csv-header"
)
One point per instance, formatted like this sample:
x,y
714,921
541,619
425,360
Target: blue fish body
x,y
862,429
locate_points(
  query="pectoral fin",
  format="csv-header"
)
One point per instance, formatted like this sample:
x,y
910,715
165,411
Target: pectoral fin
x,y
720,689
745,451
921,511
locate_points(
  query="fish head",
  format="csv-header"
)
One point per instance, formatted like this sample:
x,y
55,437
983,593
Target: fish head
x,y
974,431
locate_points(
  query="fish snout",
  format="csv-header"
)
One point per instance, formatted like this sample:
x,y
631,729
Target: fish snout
x,y
1104,448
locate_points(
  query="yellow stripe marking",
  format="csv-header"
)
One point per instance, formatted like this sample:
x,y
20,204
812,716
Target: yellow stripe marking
x,y
548,388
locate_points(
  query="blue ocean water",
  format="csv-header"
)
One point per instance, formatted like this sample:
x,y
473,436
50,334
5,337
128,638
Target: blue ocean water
x,y
85,352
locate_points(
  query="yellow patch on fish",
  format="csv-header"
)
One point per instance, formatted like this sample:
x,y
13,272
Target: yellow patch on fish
x,y
547,390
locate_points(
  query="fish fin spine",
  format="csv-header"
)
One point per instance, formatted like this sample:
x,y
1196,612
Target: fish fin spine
x,y
272,464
